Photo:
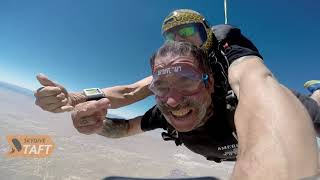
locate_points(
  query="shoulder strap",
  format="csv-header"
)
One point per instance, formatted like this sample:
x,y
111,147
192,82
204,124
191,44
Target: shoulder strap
x,y
171,135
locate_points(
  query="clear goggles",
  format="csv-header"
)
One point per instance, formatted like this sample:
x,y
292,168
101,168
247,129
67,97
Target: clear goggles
x,y
183,78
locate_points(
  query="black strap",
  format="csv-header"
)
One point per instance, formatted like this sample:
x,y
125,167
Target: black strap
x,y
171,135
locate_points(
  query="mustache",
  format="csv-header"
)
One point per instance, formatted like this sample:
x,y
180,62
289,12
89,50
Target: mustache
x,y
164,108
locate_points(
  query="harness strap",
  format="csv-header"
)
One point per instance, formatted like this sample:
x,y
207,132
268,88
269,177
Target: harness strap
x,y
171,135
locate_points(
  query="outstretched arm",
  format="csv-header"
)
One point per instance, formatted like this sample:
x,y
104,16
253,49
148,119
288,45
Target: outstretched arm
x,y
120,96
275,133
53,97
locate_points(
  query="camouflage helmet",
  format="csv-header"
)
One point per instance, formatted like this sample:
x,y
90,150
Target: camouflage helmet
x,y
187,16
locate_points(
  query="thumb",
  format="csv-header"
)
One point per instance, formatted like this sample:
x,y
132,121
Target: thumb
x,y
44,81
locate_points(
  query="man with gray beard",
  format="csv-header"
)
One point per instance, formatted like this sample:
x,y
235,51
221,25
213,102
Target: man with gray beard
x,y
256,133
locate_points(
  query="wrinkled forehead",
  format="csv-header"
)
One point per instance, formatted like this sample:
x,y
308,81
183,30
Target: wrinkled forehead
x,y
162,62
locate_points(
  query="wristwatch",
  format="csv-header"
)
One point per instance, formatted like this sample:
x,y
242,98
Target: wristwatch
x,y
93,94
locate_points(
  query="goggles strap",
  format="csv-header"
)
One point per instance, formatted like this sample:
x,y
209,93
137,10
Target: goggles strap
x,y
205,79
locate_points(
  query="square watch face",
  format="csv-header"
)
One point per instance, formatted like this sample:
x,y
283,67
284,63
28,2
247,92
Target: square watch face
x,y
93,91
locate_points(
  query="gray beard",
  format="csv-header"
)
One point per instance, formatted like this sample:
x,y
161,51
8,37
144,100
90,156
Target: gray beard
x,y
206,116
204,113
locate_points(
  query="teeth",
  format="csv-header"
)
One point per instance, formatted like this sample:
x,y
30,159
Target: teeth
x,y
181,112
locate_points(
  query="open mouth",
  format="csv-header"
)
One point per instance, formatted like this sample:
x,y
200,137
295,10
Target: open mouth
x,y
181,113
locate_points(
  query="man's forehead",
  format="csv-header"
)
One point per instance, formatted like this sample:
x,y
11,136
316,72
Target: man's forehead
x,y
164,61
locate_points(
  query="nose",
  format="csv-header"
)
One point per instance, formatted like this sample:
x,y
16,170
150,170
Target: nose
x,y
174,99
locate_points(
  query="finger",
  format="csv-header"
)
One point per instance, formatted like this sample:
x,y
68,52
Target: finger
x,y
100,104
85,121
52,107
63,109
48,91
45,81
51,99
67,108
88,121
61,96
88,109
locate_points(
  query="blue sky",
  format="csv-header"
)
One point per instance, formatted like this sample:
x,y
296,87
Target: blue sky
x,y
103,43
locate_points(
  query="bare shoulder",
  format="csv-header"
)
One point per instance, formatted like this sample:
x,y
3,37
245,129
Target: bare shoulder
x,y
245,60
246,68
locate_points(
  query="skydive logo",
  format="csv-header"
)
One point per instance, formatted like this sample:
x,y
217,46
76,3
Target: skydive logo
x,y
30,146
169,70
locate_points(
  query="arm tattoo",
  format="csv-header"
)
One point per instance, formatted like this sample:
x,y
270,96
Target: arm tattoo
x,y
115,128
